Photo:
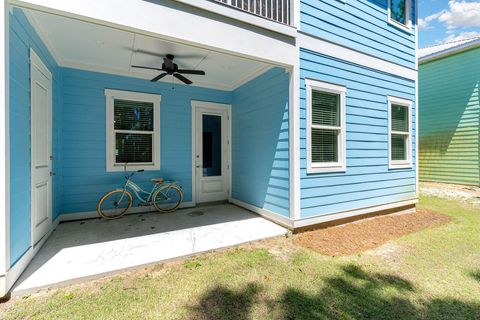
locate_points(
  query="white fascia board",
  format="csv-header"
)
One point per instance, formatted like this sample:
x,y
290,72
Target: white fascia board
x,y
340,52
243,16
204,29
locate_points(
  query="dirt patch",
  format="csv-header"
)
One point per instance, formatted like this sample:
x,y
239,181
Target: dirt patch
x,y
367,234
461,193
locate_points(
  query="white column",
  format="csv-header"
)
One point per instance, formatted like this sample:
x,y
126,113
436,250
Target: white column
x,y
294,138
4,151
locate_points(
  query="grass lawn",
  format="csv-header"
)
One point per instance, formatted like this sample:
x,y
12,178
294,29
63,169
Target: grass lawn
x,y
431,274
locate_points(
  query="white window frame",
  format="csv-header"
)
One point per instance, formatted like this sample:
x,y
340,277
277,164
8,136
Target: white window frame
x,y
320,167
111,95
400,164
408,17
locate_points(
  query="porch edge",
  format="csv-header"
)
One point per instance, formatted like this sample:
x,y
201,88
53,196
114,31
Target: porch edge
x,y
94,214
267,214
19,267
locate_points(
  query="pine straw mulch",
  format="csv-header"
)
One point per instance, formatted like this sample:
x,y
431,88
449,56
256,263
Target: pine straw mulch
x,y
367,234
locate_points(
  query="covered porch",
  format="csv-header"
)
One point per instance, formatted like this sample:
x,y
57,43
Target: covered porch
x,y
211,137
85,249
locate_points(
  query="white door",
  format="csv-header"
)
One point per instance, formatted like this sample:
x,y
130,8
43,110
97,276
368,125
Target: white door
x,y
41,148
212,152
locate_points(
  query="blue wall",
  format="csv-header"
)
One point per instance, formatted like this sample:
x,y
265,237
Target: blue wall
x,y
361,25
260,168
367,181
22,38
83,144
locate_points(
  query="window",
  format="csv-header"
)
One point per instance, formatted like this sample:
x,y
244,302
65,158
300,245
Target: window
x,y
325,127
133,130
399,13
400,132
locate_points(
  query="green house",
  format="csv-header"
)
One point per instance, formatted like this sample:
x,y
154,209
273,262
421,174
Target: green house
x,y
449,112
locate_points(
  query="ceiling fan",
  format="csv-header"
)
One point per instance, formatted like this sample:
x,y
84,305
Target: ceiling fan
x,y
170,68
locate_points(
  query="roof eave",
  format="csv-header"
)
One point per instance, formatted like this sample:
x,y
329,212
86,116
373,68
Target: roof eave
x,y
449,51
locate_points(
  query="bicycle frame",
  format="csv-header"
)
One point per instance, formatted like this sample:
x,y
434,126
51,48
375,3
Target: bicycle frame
x,y
143,196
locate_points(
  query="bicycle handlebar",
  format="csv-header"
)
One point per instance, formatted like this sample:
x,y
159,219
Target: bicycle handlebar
x,y
131,174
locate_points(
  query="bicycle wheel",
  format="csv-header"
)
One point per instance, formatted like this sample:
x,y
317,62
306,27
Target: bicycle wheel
x,y
168,198
114,204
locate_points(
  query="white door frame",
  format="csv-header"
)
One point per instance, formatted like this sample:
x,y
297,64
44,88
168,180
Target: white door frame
x,y
196,104
36,62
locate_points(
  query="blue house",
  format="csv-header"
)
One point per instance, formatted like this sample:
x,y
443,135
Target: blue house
x,y
306,112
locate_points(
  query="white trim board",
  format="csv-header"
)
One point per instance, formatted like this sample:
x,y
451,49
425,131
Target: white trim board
x,y
341,52
4,147
305,222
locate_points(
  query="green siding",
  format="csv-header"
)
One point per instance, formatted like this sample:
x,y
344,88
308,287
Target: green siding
x,y
449,119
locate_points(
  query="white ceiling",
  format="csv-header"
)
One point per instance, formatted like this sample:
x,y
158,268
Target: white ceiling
x,y
88,46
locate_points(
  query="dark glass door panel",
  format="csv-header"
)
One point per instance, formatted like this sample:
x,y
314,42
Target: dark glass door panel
x,y
212,145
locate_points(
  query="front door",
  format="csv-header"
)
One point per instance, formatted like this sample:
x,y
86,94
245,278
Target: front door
x,y
41,147
212,156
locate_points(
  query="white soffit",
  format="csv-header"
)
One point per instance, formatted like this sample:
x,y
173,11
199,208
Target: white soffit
x,y
87,46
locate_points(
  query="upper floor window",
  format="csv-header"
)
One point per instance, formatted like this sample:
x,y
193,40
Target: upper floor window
x,y
400,132
133,130
399,13
325,127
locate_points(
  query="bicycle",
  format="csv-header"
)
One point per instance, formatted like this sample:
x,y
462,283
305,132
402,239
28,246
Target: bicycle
x,y
166,196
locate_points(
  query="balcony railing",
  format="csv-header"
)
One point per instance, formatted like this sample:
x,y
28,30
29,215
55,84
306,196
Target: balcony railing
x,y
276,10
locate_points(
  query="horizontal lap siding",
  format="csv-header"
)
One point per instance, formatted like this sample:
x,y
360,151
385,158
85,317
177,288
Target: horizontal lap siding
x,y
360,25
367,181
450,119
22,38
260,154
84,172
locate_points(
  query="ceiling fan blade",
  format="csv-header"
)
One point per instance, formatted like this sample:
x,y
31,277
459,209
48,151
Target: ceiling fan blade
x,y
160,76
185,71
150,68
182,78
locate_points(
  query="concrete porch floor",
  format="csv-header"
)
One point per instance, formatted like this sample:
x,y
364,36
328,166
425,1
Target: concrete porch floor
x,y
92,248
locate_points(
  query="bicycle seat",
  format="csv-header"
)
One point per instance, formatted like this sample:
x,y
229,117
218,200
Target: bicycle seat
x,y
157,180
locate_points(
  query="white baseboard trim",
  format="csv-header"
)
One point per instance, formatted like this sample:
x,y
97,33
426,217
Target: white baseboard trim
x,y
15,272
94,214
352,213
267,214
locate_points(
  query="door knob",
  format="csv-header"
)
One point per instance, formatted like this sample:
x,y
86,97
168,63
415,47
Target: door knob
x,y
52,173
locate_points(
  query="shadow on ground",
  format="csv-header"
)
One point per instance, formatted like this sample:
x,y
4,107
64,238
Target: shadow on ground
x,y
355,294
475,275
